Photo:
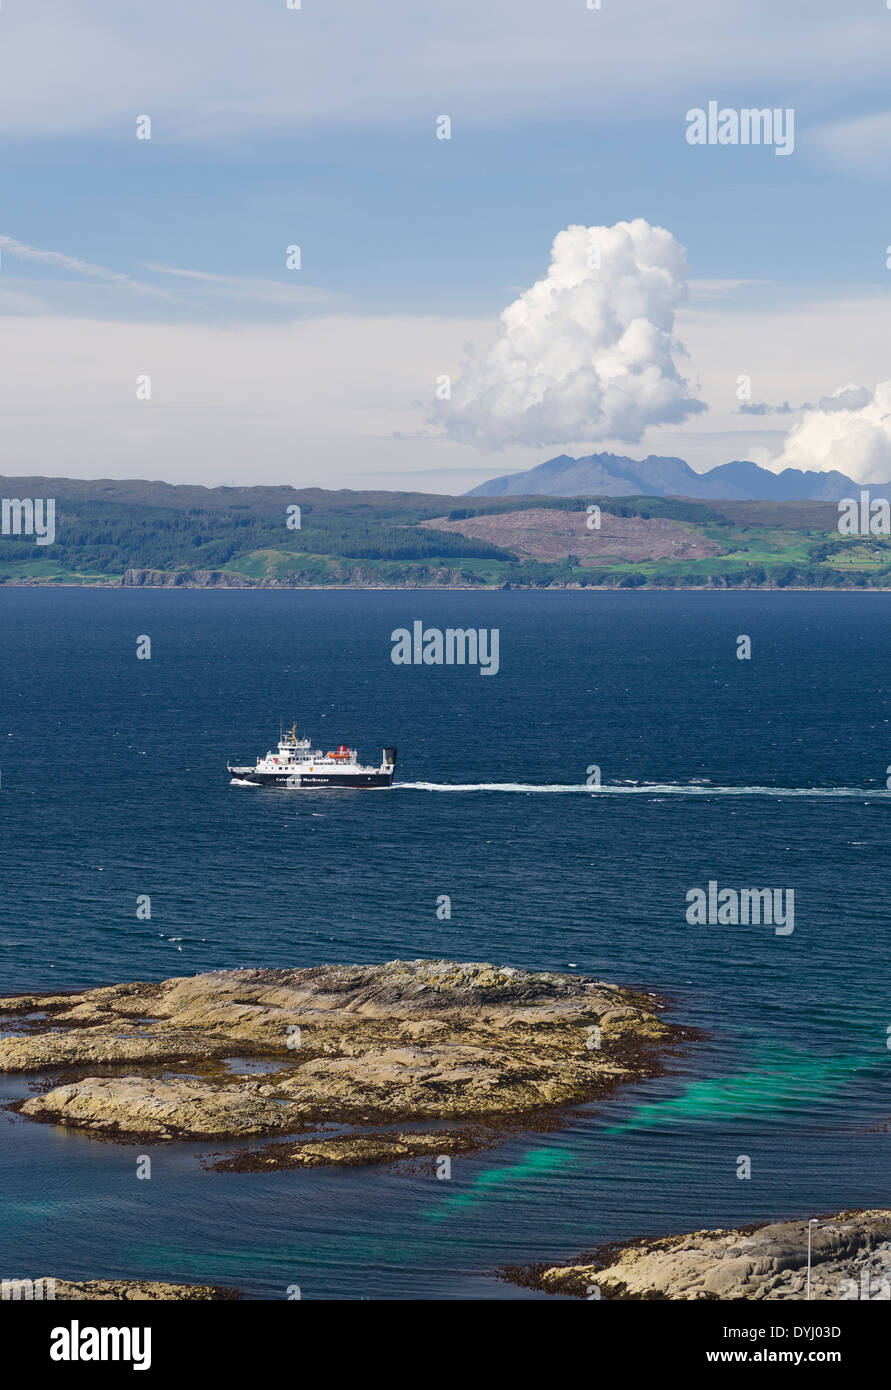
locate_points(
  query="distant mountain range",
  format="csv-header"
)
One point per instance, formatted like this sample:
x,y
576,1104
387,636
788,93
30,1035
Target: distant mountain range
x,y
611,475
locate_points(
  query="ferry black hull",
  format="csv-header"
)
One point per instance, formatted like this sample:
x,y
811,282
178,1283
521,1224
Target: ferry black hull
x,y
306,780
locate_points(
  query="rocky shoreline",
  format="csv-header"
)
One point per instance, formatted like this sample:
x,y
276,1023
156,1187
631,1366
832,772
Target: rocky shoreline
x,y
403,1062
54,1290
850,1259
356,577
460,1054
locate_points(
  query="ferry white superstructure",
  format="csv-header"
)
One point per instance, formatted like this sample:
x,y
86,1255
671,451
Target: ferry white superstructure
x,y
296,764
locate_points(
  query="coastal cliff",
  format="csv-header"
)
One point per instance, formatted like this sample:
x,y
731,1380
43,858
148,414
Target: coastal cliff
x,y
340,576
185,579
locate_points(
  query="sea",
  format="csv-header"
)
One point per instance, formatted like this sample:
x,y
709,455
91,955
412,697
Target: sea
x,y
768,771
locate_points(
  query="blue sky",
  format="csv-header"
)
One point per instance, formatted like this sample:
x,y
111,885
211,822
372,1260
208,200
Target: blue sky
x,y
317,127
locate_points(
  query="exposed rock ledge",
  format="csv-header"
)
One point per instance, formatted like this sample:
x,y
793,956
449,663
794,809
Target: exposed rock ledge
x,y
345,576
404,1043
188,579
850,1259
119,1290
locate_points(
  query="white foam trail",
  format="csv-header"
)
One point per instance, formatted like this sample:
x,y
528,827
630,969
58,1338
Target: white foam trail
x,y
494,787
644,789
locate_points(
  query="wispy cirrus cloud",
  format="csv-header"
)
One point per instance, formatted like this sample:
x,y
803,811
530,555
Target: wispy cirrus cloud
x,y
197,290
58,260
720,289
861,145
246,286
211,67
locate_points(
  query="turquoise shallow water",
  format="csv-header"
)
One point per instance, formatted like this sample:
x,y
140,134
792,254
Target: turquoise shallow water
x,y
770,772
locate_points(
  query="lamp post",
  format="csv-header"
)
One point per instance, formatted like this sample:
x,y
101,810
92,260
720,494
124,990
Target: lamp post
x,y
812,1222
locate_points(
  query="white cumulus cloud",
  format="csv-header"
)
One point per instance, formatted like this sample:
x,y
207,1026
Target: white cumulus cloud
x,y
587,353
849,431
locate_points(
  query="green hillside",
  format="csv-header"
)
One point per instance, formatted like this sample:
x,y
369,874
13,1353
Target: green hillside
x,y
142,532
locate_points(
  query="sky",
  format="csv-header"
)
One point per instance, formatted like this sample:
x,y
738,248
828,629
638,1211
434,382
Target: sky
x,y
565,273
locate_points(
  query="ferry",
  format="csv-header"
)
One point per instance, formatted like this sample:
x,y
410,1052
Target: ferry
x,y
298,765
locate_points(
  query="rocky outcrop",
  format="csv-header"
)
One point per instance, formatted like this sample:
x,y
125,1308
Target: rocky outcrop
x,y
117,1290
161,1109
393,1044
850,1259
342,576
189,579
353,1150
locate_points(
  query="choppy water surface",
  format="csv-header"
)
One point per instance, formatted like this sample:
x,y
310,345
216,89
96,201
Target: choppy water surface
x,y
770,772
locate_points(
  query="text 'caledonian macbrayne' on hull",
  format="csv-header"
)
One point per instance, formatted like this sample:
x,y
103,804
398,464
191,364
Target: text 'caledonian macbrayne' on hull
x,y
297,765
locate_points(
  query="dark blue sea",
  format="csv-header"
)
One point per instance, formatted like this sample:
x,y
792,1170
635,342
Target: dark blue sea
x,y
766,772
